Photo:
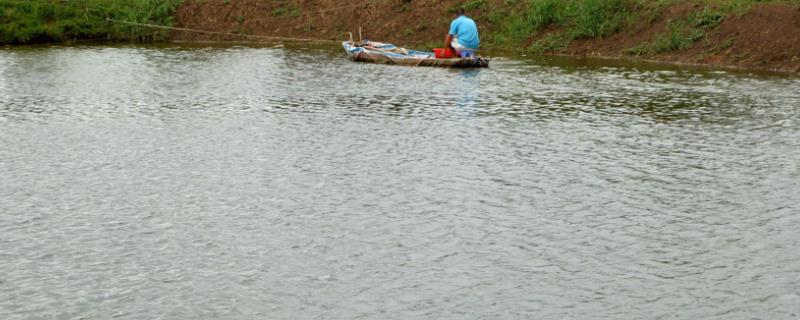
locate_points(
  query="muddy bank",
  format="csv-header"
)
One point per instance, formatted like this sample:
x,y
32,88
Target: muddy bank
x,y
767,37
762,36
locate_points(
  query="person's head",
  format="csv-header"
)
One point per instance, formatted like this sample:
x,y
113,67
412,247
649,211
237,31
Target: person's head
x,y
460,12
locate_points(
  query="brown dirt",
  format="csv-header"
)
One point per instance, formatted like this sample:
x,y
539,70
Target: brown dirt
x,y
387,20
766,37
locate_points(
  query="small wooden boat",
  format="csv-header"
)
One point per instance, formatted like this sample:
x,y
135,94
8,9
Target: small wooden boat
x,y
386,53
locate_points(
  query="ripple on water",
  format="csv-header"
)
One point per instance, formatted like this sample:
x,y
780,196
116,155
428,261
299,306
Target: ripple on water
x,y
145,182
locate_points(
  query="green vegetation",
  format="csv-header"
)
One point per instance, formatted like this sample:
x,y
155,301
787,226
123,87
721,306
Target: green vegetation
x,y
26,21
532,25
576,18
550,25
683,33
677,37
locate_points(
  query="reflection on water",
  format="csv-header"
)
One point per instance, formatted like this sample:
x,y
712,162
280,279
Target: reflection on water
x,y
468,86
147,182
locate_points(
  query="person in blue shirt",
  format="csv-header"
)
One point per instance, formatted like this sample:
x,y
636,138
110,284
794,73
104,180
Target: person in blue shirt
x,y
463,35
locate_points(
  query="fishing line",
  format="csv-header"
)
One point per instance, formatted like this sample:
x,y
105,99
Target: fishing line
x,y
219,33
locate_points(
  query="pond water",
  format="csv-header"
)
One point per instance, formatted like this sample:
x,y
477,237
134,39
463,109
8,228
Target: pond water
x,y
169,182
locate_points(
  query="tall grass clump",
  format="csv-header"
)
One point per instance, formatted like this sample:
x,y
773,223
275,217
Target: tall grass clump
x,y
28,21
575,18
543,13
518,25
598,18
583,18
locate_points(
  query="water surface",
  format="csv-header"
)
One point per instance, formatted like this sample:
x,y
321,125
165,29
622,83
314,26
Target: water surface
x,y
281,183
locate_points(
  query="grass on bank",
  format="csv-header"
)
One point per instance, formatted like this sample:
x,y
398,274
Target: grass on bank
x,y
31,21
555,23
574,19
683,33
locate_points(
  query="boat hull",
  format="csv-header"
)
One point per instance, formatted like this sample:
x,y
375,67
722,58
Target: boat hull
x,y
399,56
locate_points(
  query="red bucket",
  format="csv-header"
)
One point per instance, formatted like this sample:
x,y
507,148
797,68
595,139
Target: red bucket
x,y
443,53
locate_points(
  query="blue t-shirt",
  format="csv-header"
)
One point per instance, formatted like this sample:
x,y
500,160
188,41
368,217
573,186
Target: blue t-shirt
x,y
466,31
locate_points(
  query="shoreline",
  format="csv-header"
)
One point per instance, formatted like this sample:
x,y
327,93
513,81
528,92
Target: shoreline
x,y
492,53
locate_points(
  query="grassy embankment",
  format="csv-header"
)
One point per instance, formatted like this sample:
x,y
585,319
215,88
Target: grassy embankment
x,y
742,33
549,26
35,21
